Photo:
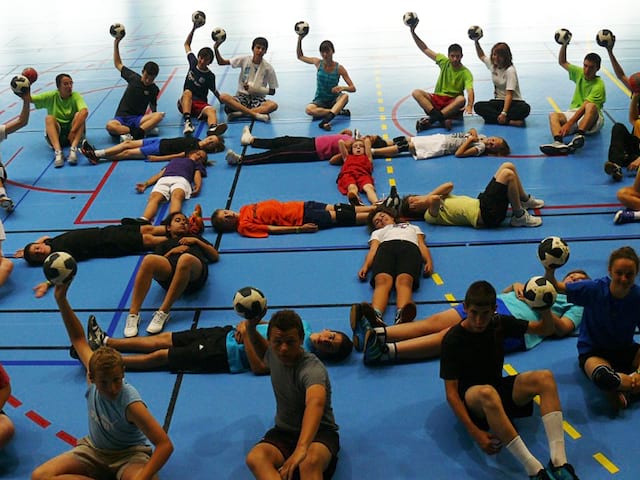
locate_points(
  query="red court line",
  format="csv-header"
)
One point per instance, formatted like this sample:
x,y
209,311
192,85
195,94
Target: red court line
x,y
13,401
41,189
66,437
37,419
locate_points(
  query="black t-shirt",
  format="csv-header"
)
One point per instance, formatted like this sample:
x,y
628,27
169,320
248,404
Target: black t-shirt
x,y
477,358
197,81
107,242
171,146
194,250
137,96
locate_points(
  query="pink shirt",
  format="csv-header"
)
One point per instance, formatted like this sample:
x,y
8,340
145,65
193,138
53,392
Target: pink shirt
x,y
327,145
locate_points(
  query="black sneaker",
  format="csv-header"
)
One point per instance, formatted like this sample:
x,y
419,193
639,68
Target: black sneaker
x,y
564,472
370,314
423,124
406,314
541,475
393,200
345,112
95,334
89,151
325,123
614,170
216,129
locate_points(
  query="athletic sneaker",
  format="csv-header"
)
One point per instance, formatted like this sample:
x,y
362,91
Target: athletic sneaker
x,y
354,199
356,134
216,129
73,156
624,216
234,115
406,314
263,117
6,203
345,112
372,349
188,127
95,334
526,220
564,472
232,157
58,160
157,322
614,170
246,137
393,200
131,325
126,137
359,326
576,142
88,151
324,123
555,148
541,475
423,124
532,202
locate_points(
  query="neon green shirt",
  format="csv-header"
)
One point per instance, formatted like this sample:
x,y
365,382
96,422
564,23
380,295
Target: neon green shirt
x,y
586,90
452,83
62,109
456,210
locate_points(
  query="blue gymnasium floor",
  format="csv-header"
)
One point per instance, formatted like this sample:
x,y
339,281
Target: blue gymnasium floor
x,y
394,421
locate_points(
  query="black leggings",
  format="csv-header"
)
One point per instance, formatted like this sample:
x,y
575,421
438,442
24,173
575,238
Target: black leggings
x,y
490,110
283,150
624,147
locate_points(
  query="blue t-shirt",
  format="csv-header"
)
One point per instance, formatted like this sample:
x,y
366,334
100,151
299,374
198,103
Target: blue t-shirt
x,y
184,167
197,81
608,323
237,357
108,425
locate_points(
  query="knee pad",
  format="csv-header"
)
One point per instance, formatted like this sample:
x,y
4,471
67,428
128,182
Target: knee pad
x,y
345,214
605,378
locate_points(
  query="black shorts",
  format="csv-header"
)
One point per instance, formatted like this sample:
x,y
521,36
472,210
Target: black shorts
x,y
200,350
505,391
316,212
493,204
194,285
395,257
621,359
286,441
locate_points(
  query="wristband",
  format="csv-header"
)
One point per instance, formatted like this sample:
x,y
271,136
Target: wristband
x,y
503,113
49,283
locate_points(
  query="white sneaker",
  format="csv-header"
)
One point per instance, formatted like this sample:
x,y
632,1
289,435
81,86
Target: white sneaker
x,y
157,322
126,137
131,325
72,159
6,203
246,137
532,203
263,117
526,220
188,127
232,157
58,160
555,148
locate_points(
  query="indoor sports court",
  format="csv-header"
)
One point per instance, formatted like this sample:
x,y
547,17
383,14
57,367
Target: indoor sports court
x,y
394,420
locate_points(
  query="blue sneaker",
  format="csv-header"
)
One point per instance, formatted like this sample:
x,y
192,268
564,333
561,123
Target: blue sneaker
x,y
359,325
373,351
624,216
564,472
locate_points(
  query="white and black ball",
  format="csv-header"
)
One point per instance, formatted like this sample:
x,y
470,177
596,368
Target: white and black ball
x,y
475,32
198,18
20,85
250,303
410,19
117,30
59,268
605,38
553,252
539,293
301,28
563,36
218,34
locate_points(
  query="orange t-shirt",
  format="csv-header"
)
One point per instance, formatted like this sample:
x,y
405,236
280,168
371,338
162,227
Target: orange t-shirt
x,y
254,219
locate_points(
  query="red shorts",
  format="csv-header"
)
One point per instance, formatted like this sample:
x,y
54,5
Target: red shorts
x,y
197,106
355,172
441,101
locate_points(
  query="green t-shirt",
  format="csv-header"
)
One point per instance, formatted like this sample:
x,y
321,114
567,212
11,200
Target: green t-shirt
x,y
452,83
586,90
62,109
456,210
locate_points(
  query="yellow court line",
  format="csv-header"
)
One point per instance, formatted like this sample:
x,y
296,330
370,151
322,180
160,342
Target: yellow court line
x,y
606,463
451,299
554,105
436,279
617,82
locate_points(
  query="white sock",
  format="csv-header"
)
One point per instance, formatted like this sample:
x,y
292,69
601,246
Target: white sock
x,y
391,351
105,340
519,450
553,426
636,215
381,333
3,192
100,153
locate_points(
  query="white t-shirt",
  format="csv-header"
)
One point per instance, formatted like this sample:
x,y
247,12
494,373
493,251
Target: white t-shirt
x,y
397,231
261,75
439,144
503,79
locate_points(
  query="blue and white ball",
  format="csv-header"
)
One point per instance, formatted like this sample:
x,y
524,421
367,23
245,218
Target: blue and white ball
x,y
563,36
117,30
198,18
250,303
539,293
301,28
475,32
20,85
59,268
553,252
218,34
410,19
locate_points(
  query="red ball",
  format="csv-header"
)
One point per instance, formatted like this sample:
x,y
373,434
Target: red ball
x,y
31,74
634,82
